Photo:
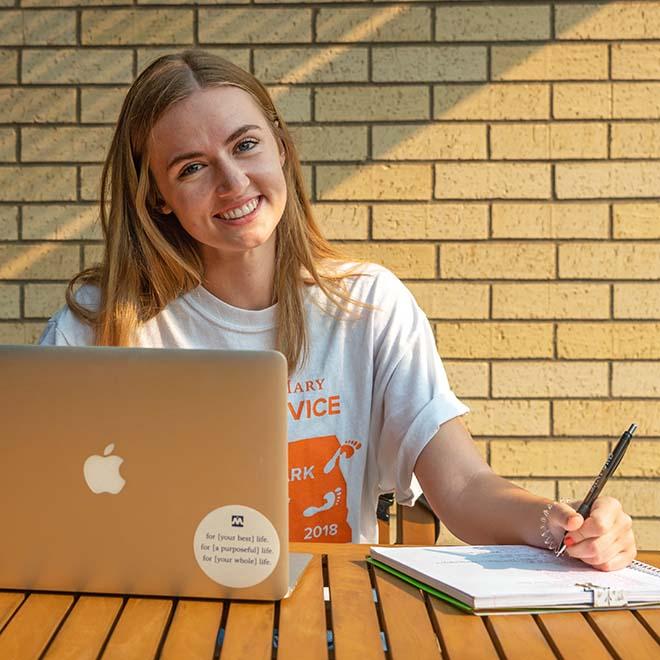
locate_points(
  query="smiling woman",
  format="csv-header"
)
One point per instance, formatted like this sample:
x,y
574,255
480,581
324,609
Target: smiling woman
x,y
198,142
210,242
225,186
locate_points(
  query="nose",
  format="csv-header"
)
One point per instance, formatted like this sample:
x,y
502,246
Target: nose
x,y
230,179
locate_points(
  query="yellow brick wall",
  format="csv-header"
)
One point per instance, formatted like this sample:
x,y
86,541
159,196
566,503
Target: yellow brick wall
x,y
502,158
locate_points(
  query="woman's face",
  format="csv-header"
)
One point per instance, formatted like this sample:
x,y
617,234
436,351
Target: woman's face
x,y
212,154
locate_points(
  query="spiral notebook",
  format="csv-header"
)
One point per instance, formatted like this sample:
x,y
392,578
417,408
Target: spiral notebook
x,y
500,579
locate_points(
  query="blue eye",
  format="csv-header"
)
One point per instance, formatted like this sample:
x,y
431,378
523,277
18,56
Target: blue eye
x,y
186,170
247,142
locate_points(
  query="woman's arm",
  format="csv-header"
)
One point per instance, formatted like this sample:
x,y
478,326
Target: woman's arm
x,y
482,508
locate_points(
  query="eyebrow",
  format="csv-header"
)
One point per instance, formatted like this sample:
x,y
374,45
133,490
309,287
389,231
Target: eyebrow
x,y
195,154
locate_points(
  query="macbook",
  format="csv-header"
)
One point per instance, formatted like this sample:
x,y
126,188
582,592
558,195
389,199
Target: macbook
x,y
144,471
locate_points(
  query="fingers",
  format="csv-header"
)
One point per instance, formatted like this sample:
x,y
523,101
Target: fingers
x,y
608,552
593,550
622,558
564,516
605,540
606,515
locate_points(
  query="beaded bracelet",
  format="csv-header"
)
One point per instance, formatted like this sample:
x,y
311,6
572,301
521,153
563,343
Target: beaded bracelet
x,y
546,535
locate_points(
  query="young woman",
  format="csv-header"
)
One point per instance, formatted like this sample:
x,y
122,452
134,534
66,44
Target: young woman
x,y
210,242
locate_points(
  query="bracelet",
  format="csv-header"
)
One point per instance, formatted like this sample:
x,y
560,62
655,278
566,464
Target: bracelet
x,y
546,534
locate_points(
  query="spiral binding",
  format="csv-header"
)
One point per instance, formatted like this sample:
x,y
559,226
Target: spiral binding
x,y
645,568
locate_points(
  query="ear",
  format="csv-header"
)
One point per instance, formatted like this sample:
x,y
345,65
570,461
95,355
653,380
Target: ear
x,y
162,206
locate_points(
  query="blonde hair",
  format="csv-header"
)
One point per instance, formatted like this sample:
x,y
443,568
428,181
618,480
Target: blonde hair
x,y
148,261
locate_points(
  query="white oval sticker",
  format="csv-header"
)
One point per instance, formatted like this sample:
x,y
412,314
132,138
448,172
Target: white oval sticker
x,y
236,546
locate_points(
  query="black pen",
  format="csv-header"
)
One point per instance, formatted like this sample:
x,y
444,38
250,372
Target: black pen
x,y
611,464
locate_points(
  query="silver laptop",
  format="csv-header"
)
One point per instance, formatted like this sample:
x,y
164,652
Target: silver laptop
x,y
144,471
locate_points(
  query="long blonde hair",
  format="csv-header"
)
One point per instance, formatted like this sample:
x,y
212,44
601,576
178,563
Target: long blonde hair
x,y
148,262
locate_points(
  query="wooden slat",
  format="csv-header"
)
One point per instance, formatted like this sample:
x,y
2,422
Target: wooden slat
x,y
9,602
415,525
354,619
409,629
85,629
463,635
30,630
383,531
342,550
249,631
520,637
626,635
139,630
193,631
652,620
570,631
651,617
302,617
648,557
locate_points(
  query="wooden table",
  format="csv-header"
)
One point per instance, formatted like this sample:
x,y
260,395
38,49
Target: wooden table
x,y
370,615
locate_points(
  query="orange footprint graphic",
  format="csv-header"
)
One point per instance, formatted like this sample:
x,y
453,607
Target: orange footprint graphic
x,y
347,449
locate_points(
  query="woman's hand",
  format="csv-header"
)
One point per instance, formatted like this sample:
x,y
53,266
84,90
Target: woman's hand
x,y
604,540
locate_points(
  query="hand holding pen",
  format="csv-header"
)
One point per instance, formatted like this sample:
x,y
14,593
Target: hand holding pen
x,y
603,536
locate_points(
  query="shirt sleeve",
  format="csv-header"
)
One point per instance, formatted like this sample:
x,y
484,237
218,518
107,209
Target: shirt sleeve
x,y
65,329
410,387
52,335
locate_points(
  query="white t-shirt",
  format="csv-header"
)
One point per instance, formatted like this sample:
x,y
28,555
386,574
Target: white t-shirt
x,y
372,393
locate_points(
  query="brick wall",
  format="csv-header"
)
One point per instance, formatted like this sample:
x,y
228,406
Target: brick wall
x,y
502,158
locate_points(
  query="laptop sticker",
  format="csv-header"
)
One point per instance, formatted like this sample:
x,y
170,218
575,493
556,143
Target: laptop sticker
x,y
236,546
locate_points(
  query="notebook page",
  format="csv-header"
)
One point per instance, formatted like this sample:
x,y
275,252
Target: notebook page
x,y
500,575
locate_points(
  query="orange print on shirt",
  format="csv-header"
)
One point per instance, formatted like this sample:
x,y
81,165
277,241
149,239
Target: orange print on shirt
x,y
317,489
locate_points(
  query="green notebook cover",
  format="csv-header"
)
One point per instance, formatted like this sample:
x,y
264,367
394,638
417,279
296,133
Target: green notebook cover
x,y
420,585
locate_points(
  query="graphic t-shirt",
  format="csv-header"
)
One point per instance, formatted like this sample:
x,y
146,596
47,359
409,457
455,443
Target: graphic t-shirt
x,y
371,395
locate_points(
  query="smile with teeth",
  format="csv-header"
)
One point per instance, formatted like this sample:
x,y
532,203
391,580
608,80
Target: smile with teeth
x,y
241,211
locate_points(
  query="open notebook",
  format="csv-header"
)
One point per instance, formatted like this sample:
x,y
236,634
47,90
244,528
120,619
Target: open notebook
x,y
495,579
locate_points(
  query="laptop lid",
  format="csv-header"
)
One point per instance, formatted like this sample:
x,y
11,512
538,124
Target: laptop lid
x,y
144,471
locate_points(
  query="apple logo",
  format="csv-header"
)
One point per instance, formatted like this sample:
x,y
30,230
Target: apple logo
x,y
102,472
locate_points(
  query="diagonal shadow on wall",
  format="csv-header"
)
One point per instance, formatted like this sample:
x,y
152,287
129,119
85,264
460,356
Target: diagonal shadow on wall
x,y
467,95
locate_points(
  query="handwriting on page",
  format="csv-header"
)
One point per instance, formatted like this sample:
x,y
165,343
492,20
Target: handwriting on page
x,y
528,567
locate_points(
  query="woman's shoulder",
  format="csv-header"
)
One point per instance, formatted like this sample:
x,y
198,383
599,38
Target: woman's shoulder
x,y
365,282
361,273
372,282
65,327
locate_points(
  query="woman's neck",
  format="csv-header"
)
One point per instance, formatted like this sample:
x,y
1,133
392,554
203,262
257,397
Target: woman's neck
x,y
243,280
